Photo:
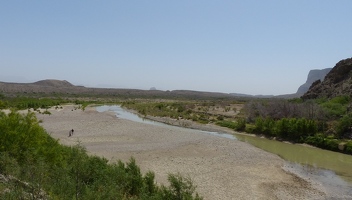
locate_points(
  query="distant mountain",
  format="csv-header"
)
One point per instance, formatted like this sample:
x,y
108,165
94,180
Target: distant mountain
x,y
337,82
251,96
314,75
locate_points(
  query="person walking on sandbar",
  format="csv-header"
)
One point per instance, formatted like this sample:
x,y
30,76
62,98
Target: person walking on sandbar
x,y
70,133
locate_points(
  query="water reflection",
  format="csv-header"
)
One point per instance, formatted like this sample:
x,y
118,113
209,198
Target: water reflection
x,y
123,114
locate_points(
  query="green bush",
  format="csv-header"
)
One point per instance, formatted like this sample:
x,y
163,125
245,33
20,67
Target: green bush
x,y
331,144
265,126
250,128
321,141
348,147
8,165
344,125
228,124
336,107
241,124
180,188
292,129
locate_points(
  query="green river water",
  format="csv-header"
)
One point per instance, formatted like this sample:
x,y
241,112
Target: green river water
x,y
339,163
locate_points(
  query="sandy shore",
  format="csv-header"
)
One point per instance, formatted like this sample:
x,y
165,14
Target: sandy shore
x,y
221,168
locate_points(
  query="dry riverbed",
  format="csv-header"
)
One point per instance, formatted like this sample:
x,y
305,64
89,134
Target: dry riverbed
x,y
221,168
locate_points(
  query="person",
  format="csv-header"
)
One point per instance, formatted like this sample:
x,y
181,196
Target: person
x,y
70,133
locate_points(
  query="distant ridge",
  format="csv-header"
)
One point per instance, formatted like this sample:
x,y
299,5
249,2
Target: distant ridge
x,y
64,88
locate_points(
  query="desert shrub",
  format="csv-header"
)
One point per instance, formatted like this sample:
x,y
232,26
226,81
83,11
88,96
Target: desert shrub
x,y
259,124
22,103
279,109
21,133
46,112
240,124
3,104
226,123
341,100
180,188
324,142
344,125
8,165
292,129
348,147
250,128
335,107
334,110
316,140
203,119
331,144
220,117
265,126
282,127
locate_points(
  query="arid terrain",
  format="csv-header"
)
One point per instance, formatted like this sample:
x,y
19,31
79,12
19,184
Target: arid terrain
x,y
221,168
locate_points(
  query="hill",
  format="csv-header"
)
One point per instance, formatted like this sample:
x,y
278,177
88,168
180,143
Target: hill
x,y
336,83
53,83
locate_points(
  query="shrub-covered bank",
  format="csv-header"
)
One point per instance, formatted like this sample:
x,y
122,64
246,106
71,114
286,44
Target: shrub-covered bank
x,y
324,123
33,165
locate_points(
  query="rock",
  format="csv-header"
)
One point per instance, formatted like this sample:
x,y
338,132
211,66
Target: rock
x,y
342,146
337,82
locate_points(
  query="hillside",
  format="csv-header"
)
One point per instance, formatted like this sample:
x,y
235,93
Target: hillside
x,y
336,83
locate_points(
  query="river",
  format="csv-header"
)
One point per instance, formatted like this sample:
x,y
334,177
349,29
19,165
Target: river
x,y
333,170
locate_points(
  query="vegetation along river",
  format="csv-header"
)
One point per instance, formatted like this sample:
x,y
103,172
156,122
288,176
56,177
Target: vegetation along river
x,y
333,170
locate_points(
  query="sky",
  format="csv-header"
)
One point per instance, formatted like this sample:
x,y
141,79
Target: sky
x,y
251,47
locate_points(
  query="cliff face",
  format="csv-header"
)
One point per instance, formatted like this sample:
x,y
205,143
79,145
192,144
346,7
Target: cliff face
x,y
336,83
314,75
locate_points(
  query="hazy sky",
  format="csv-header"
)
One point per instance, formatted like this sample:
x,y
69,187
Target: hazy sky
x,y
252,47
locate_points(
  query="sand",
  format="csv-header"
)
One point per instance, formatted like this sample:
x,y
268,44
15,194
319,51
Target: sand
x,y
221,168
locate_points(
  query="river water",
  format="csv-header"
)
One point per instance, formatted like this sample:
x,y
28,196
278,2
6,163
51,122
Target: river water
x,y
333,170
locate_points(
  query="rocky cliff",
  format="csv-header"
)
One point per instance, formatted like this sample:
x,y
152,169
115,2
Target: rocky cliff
x,y
314,75
336,83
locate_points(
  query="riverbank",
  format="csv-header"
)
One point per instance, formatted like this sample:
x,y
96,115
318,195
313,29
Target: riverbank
x,y
220,167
